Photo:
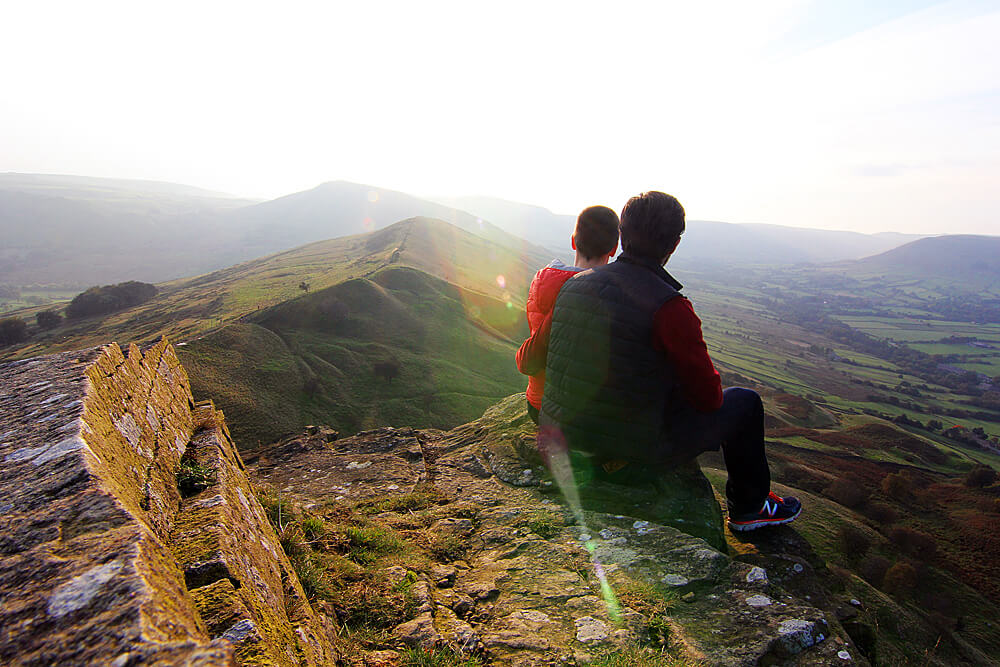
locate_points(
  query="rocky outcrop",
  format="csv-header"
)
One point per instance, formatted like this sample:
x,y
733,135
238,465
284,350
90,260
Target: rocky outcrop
x,y
519,576
102,561
131,534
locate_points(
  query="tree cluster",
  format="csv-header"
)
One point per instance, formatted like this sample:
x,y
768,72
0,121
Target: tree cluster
x,y
13,330
109,299
48,319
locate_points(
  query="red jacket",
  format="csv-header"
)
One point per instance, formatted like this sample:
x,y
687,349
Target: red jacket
x,y
541,300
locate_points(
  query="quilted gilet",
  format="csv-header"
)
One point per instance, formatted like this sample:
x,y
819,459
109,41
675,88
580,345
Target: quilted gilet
x,y
606,384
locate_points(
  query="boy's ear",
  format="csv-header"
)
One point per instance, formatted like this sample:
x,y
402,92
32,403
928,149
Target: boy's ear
x,y
572,241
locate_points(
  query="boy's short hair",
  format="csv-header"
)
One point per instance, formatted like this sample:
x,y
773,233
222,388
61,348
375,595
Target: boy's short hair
x,y
596,231
651,224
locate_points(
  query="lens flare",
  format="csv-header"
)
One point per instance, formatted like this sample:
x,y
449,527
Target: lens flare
x,y
501,282
372,196
552,446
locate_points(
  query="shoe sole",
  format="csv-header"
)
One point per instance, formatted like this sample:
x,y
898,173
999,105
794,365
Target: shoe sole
x,y
763,523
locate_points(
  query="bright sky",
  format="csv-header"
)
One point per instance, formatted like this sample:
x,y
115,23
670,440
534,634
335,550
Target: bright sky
x,y
861,115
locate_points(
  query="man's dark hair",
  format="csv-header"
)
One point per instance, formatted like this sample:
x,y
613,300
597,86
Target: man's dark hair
x,y
596,231
651,224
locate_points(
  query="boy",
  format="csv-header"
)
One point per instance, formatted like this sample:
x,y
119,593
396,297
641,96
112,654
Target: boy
x,y
595,240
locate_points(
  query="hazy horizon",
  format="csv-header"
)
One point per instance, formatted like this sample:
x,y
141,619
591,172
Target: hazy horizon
x,y
797,113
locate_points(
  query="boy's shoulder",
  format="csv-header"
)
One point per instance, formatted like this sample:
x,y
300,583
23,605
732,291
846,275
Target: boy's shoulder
x,y
547,283
559,265
556,271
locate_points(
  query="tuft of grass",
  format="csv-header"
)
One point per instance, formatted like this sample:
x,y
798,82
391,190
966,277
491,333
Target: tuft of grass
x,y
193,477
637,656
544,524
418,657
368,543
280,510
447,548
313,528
417,500
651,601
313,577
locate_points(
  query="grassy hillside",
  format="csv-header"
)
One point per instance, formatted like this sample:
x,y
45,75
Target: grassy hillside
x,y
189,308
443,307
397,348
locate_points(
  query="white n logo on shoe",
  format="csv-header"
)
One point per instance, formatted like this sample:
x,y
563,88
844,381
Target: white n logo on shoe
x,y
770,507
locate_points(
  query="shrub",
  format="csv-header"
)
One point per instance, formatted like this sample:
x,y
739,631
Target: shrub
x,y
854,542
387,370
847,493
900,578
873,568
803,478
898,486
913,542
980,477
13,330
109,298
48,319
881,513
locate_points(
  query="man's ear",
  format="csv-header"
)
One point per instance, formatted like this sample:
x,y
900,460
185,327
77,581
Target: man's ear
x,y
572,241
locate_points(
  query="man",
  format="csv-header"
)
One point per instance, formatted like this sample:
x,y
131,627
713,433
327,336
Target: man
x,y
628,374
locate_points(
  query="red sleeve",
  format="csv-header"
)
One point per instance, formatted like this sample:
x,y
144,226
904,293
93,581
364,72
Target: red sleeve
x,y
534,352
678,330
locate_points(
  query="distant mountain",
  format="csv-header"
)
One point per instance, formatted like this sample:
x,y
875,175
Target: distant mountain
x,y
730,243
78,231
341,208
959,256
722,242
534,223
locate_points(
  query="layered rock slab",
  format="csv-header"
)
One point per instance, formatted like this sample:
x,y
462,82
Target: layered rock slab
x,y
90,443
233,563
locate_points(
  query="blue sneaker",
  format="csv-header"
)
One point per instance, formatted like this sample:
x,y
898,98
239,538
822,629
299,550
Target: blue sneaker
x,y
775,512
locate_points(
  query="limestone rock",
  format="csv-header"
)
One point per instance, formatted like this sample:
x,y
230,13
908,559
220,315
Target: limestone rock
x,y
90,444
419,632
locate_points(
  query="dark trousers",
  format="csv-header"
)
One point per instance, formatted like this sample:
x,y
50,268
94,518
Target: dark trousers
x,y
738,427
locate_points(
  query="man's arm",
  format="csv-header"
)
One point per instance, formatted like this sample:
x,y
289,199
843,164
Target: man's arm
x,y
678,330
534,352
